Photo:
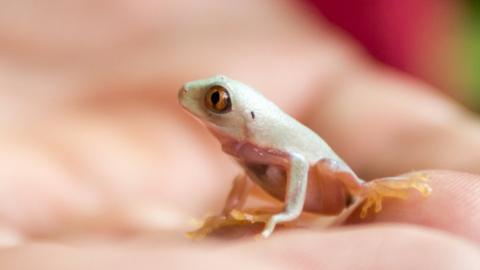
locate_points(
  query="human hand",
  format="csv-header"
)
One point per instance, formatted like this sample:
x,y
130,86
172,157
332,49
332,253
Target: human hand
x,y
103,169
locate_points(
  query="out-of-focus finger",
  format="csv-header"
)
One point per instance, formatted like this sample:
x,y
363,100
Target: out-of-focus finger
x,y
453,206
376,247
383,123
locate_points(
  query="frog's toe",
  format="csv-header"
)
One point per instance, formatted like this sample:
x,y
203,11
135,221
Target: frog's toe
x,y
213,224
209,225
393,187
253,218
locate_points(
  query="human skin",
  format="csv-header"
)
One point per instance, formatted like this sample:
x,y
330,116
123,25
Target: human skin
x,y
101,168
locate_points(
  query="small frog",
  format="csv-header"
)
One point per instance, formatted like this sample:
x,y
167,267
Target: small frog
x,y
283,157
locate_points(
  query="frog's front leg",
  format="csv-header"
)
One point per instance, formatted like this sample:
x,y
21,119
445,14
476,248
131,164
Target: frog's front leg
x,y
295,197
238,194
235,200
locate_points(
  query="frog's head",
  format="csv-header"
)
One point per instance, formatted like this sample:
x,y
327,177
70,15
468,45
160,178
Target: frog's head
x,y
223,104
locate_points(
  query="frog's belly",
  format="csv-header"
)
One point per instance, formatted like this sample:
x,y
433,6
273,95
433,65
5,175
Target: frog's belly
x,y
267,168
271,178
325,195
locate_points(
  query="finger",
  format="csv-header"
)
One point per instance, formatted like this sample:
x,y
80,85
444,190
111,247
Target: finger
x,y
377,247
453,206
383,123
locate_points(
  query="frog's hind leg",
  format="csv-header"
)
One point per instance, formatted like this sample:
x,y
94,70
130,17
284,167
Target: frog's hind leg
x,y
374,191
394,187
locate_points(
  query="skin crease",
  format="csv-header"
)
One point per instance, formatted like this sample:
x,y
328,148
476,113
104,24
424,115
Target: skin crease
x,y
89,170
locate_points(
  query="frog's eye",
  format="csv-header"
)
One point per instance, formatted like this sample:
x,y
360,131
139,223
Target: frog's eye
x,y
218,100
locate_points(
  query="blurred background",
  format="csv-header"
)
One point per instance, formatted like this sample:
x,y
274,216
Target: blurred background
x,y
436,41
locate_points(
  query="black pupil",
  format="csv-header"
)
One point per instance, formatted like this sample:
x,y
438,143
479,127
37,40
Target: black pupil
x,y
215,97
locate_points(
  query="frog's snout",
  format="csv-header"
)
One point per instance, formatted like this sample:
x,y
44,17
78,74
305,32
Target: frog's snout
x,y
182,92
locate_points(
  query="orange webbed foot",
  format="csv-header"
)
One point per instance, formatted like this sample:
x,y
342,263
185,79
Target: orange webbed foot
x,y
212,224
235,218
394,187
254,217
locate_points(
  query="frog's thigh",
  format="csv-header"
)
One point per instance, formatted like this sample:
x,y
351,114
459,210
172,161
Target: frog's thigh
x,y
339,170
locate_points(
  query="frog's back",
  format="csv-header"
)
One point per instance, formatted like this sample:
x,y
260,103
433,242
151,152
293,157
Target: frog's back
x,y
278,130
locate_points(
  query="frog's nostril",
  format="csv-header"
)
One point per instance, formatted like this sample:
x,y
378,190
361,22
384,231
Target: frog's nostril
x,y
182,92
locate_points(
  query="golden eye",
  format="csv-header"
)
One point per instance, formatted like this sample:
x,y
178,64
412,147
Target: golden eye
x,y
218,100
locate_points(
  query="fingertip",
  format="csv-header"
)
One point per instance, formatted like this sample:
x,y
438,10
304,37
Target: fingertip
x,y
453,206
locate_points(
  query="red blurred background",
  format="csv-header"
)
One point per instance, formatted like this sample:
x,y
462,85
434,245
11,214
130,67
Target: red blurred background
x,y
436,41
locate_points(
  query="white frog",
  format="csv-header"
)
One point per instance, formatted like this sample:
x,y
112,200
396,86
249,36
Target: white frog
x,y
285,158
